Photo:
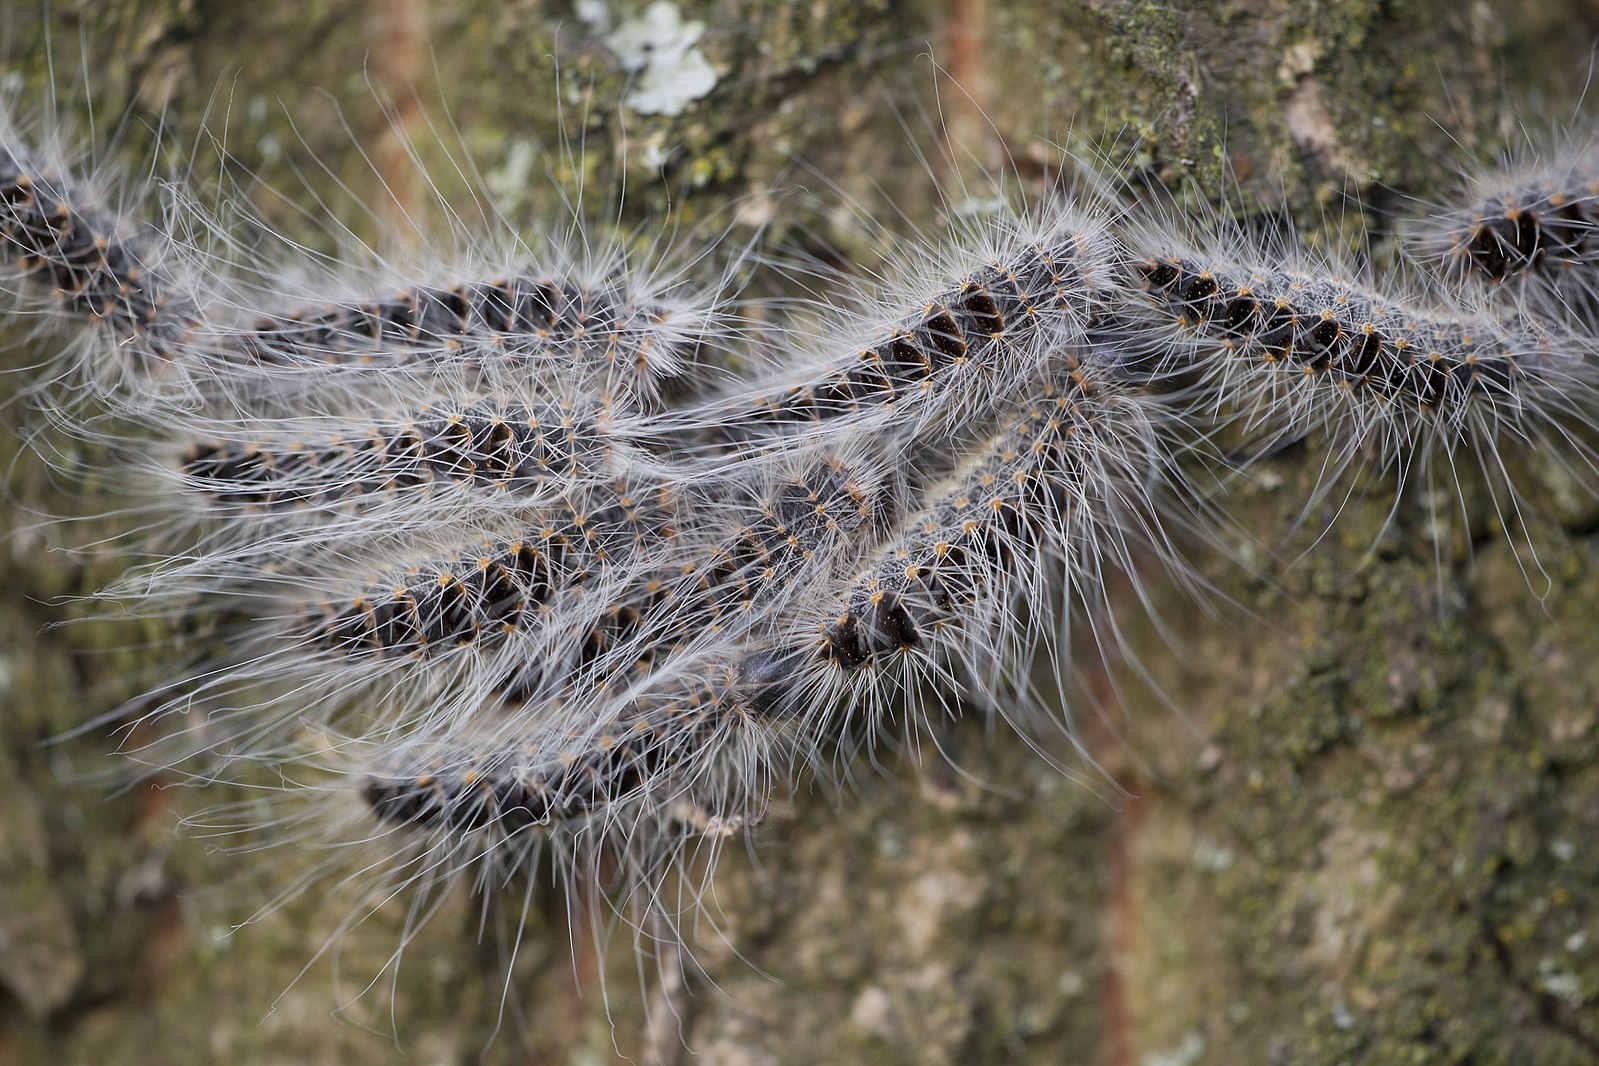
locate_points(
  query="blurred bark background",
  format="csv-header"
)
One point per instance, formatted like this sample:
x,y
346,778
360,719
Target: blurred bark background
x,y
1361,825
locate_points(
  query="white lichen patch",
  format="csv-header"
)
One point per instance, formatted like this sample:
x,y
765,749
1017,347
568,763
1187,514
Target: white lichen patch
x,y
661,50
1188,1051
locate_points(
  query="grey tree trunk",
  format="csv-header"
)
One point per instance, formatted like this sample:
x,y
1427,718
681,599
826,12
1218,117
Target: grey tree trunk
x,y
1355,811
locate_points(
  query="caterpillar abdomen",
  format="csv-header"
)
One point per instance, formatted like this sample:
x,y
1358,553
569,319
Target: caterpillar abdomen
x,y
63,243
658,746
592,327
1540,227
481,597
1050,485
755,558
959,354
524,449
1393,356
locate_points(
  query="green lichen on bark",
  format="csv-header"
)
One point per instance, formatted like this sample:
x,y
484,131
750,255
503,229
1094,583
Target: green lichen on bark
x,y
1362,824
1395,821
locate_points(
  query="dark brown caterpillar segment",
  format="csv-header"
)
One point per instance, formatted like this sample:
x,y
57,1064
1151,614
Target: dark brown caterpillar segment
x,y
963,337
517,316
1321,328
479,598
517,447
1020,493
754,566
802,519
1541,227
796,530
665,737
58,238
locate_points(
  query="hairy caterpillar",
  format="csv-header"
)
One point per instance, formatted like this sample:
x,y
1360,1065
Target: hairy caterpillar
x,y
68,251
721,677
1525,232
485,443
1058,487
1328,352
965,350
520,318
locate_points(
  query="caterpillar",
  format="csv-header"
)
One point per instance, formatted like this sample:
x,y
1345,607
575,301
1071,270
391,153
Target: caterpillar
x,y
540,780
62,245
519,318
1399,377
1321,343
1061,485
1524,232
564,669
487,443
965,348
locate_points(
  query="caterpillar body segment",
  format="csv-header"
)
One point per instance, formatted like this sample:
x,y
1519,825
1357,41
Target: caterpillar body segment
x,y
680,742
60,243
617,339
1006,548
1305,350
530,450
481,596
1522,234
946,364
765,554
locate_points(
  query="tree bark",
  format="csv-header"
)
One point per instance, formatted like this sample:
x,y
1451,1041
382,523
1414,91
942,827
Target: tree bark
x,y
1345,810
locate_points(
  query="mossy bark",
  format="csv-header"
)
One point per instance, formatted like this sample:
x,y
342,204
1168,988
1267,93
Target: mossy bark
x,y
1356,804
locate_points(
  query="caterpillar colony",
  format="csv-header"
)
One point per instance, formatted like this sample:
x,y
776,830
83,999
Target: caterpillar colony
x,y
546,567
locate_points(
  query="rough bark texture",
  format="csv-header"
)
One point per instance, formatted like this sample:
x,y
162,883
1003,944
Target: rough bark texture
x,y
1362,826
